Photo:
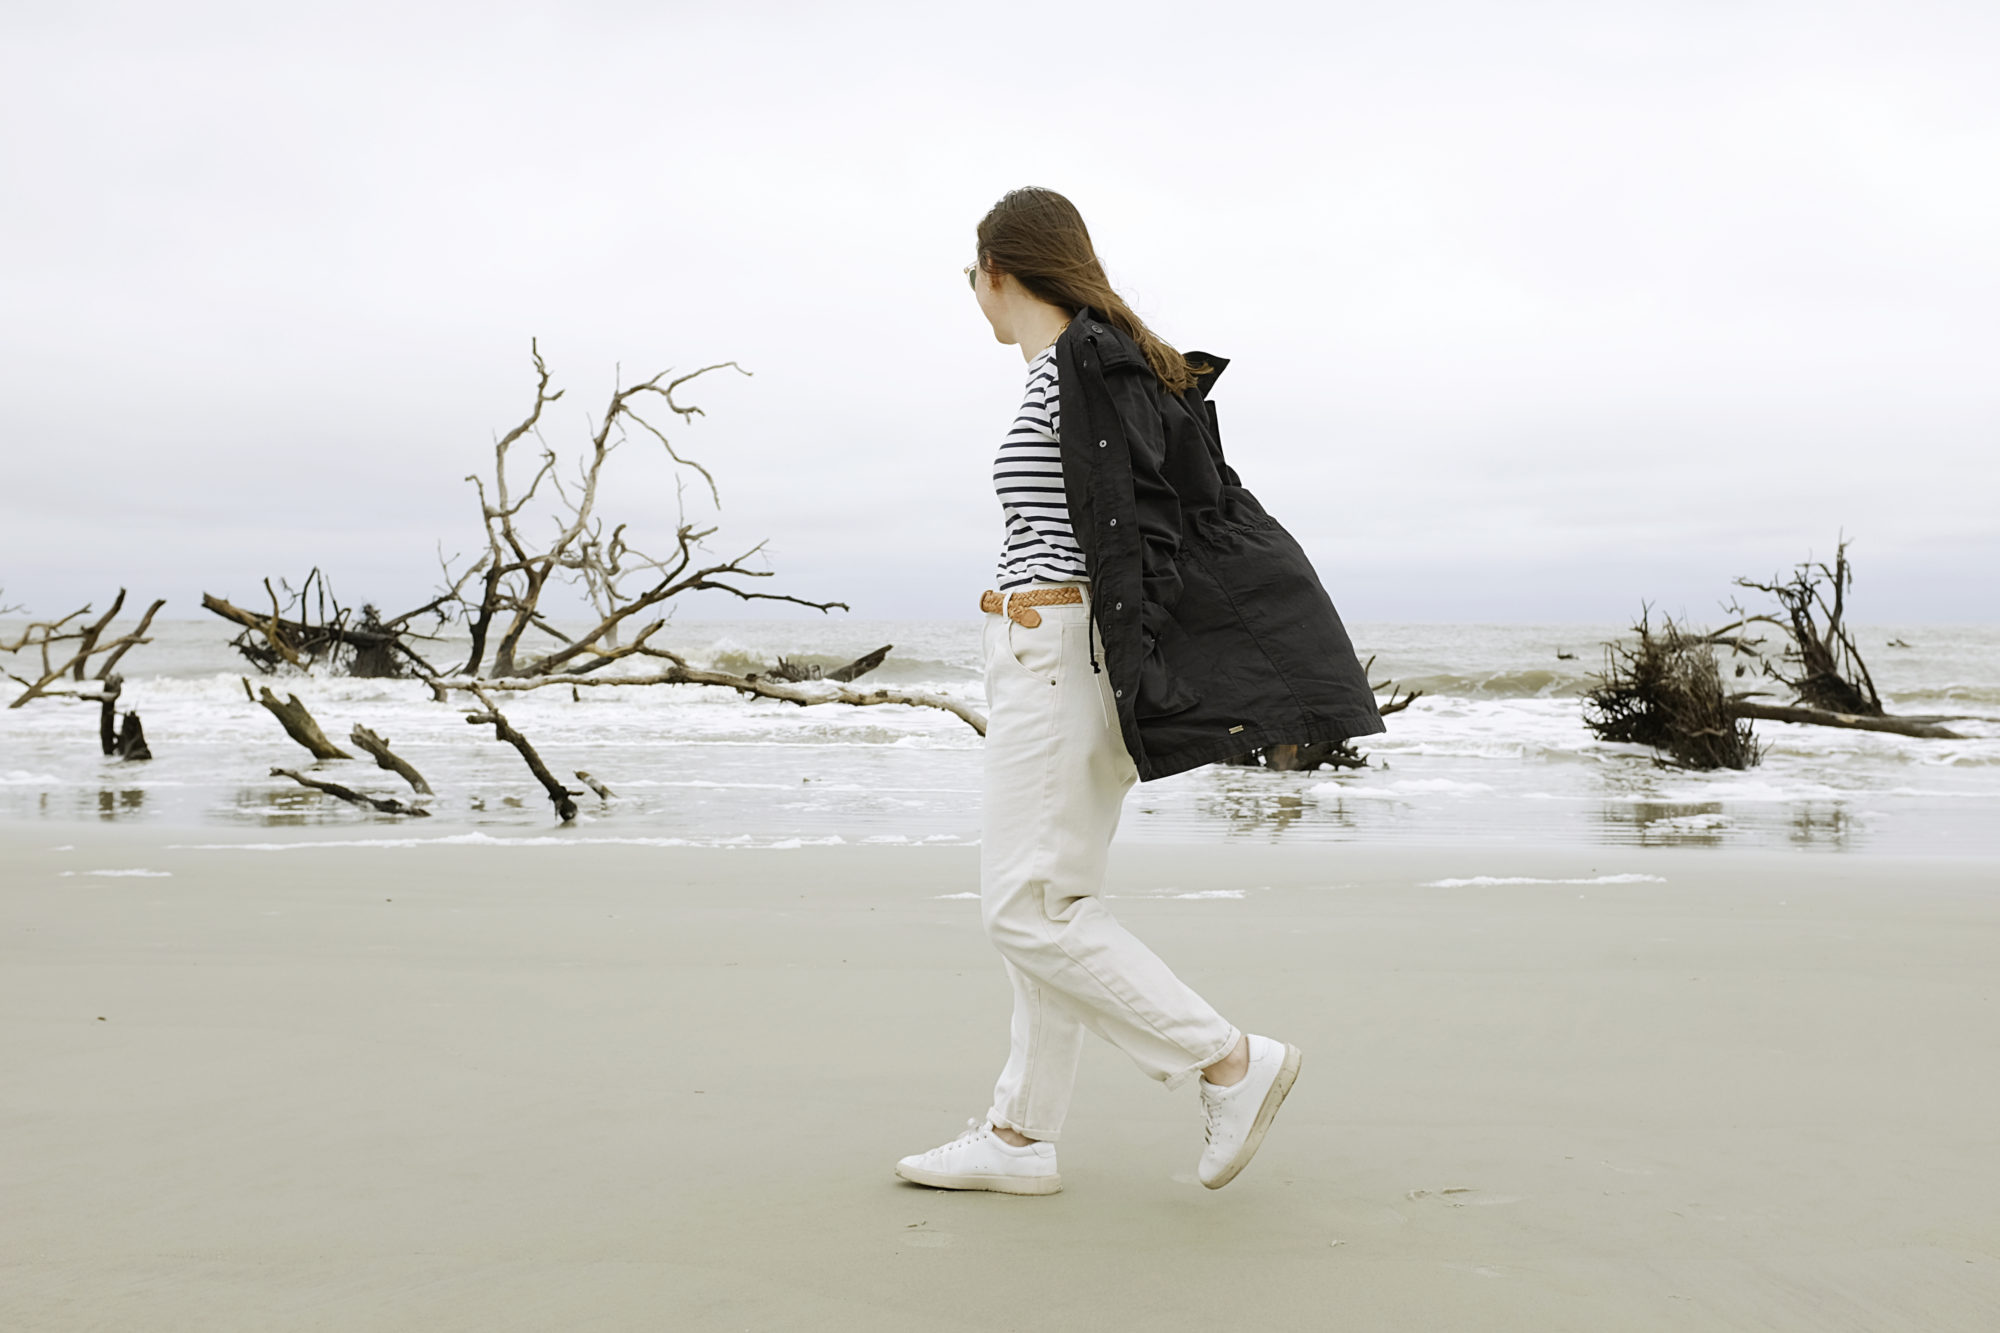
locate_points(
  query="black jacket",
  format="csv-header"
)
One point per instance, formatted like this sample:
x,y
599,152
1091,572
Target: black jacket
x,y
1215,630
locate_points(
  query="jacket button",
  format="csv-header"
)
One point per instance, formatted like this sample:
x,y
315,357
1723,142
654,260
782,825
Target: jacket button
x,y
1114,522
1104,444
1118,694
1118,606
1097,328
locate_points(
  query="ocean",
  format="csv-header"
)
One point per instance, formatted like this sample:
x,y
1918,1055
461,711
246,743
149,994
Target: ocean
x,y
1494,752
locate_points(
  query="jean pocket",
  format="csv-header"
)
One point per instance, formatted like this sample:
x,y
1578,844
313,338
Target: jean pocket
x,y
1037,651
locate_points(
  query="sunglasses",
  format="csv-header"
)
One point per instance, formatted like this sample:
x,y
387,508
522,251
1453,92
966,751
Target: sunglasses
x,y
972,276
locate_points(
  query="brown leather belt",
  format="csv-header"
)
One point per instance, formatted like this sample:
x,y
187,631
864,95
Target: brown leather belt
x,y
1020,606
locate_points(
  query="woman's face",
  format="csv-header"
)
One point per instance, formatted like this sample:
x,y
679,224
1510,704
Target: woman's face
x,y
990,289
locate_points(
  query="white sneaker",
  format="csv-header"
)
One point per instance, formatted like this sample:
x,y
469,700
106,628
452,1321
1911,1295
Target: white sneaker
x,y
978,1160
1235,1118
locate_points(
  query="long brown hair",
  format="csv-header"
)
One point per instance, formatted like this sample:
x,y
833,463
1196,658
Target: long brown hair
x,y
1039,237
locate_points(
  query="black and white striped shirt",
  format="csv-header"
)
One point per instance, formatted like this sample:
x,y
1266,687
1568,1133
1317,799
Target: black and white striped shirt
x,y
1040,546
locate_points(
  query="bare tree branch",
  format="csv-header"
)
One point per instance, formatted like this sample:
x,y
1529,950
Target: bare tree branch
x,y
560,796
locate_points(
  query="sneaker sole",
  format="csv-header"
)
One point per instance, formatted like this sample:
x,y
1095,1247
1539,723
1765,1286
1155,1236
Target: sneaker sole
x,y
941,1180
1288,1074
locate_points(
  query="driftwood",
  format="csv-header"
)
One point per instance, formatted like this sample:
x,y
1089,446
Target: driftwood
x,y
123,740
1925,728
297,722
604,793
387,758
387,805
790,671
1394,705
560,796
804,695
88,640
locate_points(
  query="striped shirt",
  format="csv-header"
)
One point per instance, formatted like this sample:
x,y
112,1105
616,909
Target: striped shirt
x,y
1040,546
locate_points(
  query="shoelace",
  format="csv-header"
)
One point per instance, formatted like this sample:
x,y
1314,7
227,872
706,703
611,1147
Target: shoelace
x,y
973,1129
1207,1120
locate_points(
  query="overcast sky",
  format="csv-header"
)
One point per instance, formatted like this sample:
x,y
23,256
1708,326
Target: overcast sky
x,y
1535,310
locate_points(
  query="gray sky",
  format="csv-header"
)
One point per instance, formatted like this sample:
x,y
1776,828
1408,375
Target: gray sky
x,y
1535,310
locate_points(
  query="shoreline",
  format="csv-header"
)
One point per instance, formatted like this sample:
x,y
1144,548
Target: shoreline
x,y
616,1086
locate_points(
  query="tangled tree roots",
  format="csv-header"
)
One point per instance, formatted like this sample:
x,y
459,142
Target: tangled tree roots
x,y
1666,691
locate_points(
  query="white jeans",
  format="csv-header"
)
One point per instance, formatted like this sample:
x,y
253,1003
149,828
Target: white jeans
x,y
1056,774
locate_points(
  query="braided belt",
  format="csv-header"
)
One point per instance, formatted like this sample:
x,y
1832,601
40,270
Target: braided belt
x,y
1020,606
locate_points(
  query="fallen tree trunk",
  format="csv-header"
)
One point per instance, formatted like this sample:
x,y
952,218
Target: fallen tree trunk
x,y
604,793
387,758
387,805
297,722
804,695
1820,717
560,796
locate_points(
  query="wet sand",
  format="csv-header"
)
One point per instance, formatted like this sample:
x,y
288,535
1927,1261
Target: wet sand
x,y
617,1087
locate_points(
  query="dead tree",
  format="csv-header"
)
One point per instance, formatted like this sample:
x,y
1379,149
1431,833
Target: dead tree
x,y
1821,664
616,577
386,805
308,627
297,722
66,646
560,796
1666,692
387,758
119,739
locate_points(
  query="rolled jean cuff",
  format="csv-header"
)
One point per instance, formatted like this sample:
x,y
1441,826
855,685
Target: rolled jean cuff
x,y
998,1121
1177,1079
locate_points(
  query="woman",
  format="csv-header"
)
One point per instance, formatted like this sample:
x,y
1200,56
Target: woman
x,y
1150,617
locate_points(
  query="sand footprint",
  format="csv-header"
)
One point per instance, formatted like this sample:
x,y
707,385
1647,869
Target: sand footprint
x,y
1463,1196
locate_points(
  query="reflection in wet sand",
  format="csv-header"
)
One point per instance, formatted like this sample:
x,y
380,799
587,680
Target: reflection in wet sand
x,y
1830,826
1662,824
124,801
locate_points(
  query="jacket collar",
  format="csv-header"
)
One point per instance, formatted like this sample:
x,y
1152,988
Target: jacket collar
x,y
1115,350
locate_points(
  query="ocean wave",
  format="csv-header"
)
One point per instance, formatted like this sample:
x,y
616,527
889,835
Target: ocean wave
x,y
1484,881
1520,683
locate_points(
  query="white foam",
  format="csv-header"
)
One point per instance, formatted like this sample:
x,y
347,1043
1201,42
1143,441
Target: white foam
x,y
124,874
1403,790
1488,881
1211,893
954,895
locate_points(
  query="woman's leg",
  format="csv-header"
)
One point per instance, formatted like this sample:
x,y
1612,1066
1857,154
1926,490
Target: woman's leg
x,y
1033,1093
1056,776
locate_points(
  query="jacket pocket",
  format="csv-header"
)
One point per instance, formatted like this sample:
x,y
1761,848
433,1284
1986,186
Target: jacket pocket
x,y
1164,690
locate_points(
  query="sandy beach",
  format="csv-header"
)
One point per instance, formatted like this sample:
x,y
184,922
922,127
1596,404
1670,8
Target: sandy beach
x,y
602,1086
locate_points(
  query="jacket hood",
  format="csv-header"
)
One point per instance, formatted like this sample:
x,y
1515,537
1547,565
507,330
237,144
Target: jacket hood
x,y
1117,351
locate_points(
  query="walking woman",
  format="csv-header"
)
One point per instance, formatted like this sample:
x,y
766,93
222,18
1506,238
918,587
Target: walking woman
x,y
1150,617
